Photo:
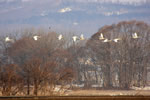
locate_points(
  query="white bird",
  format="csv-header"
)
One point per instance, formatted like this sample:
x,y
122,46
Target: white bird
x,y
135,36
36,37
106,40
116,40
74,38
81,37
60,37
101,37
7,39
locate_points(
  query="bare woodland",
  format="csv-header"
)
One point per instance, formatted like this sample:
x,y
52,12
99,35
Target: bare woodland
x,y
29,67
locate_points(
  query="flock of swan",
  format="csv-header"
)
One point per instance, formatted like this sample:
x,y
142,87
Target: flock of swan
x,y
75,38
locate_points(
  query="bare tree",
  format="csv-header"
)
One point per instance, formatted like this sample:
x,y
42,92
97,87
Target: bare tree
x,y
128,57
38,59
10,80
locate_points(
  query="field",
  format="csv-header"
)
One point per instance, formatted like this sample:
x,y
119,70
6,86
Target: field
x,y
92,95
109,93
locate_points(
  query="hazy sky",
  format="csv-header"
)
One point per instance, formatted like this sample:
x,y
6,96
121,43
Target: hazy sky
x,y
79,16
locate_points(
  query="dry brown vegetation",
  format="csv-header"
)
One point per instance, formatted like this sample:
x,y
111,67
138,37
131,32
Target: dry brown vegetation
x,y
39,67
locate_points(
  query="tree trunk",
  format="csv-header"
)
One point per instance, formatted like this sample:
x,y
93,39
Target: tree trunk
x,y
28,85
35,87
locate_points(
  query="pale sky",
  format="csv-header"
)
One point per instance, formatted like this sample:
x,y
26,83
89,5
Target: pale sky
x,y
79,16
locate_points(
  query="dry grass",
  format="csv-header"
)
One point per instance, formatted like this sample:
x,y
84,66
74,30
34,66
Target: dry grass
x,y
108,92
